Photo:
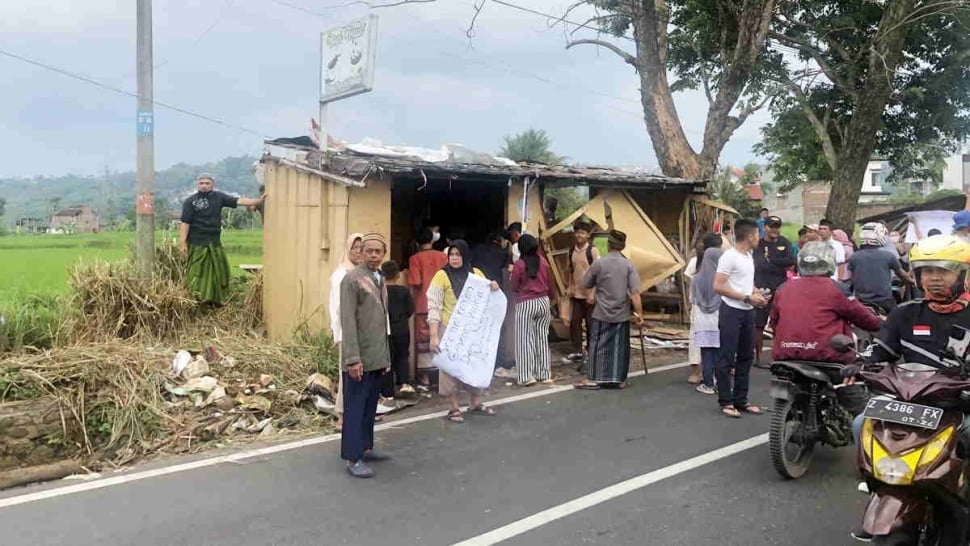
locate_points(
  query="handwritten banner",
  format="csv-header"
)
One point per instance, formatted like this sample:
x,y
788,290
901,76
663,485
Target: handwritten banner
x,y
471,341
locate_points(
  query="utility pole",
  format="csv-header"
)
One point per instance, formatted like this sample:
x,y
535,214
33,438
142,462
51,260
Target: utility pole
x,y
145,122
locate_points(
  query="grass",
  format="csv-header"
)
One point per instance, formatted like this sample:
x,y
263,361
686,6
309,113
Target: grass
x,y
40,264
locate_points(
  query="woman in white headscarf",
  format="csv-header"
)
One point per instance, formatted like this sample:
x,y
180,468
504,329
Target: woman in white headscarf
x,y
350,259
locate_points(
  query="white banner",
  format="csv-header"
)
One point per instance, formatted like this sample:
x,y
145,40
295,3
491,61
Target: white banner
x,y
920,224
470,343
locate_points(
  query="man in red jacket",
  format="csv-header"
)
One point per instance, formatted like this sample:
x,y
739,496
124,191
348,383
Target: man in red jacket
x,y
809,310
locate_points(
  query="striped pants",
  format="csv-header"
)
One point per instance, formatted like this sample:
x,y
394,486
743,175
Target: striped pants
x,y
532,358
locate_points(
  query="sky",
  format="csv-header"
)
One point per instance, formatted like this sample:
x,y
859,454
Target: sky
x,y
252,67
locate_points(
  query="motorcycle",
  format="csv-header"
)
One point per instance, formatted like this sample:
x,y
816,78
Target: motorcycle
x,y
913,450
807,411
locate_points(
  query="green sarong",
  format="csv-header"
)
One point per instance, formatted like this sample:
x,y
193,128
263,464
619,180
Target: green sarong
x,y
208,273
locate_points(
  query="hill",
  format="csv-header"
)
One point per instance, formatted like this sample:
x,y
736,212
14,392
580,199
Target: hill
x,y
113,194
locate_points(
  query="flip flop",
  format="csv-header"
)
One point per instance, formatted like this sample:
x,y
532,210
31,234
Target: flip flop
x,y
455,416
731,412
482,410
586,386
752,409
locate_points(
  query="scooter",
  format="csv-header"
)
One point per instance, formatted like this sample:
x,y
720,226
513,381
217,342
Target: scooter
x,y
807,411
913,449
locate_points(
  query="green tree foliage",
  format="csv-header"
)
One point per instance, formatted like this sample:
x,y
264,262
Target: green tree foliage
x,y
113,195
885,78
732,193
530,146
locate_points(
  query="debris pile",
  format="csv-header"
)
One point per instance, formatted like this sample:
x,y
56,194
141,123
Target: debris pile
x,y
124,400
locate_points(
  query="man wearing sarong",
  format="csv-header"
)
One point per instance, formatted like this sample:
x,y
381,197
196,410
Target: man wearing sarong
x,y
617,285
199,239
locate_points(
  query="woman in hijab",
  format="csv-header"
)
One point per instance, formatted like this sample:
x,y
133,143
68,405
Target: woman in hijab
x,y
843,239
350,259
705,304
443,294
531,282
709,240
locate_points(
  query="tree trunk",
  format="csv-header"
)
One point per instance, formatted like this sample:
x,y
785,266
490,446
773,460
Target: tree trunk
x,y
870,103
674,153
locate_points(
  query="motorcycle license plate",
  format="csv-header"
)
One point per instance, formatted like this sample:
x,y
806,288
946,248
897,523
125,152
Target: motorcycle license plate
x,y
904,413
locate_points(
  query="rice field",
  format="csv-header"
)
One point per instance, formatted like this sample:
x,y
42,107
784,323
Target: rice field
x,y
40,264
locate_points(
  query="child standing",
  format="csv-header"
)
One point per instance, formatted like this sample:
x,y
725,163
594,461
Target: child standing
x,y
400,308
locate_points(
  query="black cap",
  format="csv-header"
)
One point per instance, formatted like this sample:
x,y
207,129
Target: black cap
x,y
773,221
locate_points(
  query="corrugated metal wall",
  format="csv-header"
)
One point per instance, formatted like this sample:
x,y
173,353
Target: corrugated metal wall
x,y
304,231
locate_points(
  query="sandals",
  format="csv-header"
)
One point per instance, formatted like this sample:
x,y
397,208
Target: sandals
x,y
731,411
482,409
455,416
586,385
752,409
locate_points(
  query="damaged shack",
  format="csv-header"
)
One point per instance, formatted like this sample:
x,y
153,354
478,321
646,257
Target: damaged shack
x,y
312,207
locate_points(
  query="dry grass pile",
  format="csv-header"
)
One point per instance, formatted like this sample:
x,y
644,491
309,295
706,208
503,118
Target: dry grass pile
x,y
122,400
112,300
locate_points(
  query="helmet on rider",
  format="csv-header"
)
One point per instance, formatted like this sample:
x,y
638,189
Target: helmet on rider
x,y
873,234
816,259
941,252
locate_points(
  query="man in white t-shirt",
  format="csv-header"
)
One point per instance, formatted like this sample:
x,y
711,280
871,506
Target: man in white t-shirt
x,y
825,235
734,282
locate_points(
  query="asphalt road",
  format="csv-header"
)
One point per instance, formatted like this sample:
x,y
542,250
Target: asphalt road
x,y
450,483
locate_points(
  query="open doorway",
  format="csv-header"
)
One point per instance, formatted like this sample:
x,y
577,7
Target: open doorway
x,y
474,207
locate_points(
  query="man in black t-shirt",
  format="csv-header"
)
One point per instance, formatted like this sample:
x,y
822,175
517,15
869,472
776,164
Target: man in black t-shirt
x,y
200,242
872,275
773,258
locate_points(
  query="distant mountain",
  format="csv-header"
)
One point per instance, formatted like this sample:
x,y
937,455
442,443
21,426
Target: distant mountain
x,y
113,195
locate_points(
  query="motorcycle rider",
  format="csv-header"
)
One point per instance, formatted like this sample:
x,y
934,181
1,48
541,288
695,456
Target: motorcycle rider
x,y
872,268
918,330
811,309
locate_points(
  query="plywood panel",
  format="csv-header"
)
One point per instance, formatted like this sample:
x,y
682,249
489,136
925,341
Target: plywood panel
x,y
370,208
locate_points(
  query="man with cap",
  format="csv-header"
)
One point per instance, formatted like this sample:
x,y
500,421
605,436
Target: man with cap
x,y
773,259
617,285
200,238
365,355
961,224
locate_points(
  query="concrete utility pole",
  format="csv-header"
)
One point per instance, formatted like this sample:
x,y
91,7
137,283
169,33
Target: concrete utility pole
x,y
145,121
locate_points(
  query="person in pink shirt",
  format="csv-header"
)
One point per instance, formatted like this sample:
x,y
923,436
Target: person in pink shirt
x,y
531,282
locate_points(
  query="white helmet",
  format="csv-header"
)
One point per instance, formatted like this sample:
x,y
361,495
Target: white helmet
x,y
874,234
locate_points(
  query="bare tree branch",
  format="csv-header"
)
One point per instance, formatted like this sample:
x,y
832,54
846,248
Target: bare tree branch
x,y
627,58
818,56
478,7
821,131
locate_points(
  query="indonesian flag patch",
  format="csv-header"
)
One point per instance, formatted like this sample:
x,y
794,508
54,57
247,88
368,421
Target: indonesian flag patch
x,y
920,330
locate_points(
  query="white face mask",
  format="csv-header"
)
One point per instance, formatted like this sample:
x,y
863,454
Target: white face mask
x,y
436,237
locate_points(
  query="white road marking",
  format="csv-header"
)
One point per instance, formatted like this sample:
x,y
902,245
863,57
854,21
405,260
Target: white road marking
x,y
544,517
269,450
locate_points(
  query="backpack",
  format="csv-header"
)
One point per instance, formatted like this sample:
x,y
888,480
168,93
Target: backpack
x,y
589,255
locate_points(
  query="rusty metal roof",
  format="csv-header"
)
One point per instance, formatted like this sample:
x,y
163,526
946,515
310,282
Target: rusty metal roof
x,y
358,166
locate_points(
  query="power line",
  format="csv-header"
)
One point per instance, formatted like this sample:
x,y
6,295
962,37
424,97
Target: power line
x,y
120,91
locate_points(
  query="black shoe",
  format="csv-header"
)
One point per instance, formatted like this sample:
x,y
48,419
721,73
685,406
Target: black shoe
x,y
360,470
861,535
374,455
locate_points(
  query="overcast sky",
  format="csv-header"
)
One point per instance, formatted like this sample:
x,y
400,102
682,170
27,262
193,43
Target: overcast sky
x,y
255,64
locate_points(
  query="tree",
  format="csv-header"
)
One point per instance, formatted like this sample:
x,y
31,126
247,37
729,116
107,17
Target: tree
x,y
532,146
714,45
887,78
732,193
3,207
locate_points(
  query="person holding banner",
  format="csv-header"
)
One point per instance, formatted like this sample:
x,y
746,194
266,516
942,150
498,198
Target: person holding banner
x,y
443,294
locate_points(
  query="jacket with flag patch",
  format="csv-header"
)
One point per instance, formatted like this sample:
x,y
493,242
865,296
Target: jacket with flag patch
x,y
914,333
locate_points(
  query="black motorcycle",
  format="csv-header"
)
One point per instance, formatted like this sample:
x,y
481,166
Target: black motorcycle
x,y
810,408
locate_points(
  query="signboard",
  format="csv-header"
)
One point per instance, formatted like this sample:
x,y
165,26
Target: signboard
x,y
347,59
470,343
